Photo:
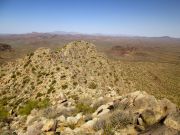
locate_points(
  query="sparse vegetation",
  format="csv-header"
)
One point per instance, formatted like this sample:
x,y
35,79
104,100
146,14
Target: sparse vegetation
x,y
3,113
32,104
64,86
92,85
77,84
120,119
86,109
51,89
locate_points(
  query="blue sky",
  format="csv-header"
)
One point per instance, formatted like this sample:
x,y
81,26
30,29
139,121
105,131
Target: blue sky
x,y
127,17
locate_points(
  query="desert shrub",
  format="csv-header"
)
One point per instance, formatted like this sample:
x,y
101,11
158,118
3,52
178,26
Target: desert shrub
x,y
50,113
75,83
30,54
26,109
108,130
18,73
58,68
105,125
53,82
33,70
51,89
120,106
4,101
31,104
26,80
114,120
44,103
39,82
85,100
100,124
86,109
3,113
32,87
39,94
27,63
92,85
71,125
18,101
64,86
13,76
52,73
63,77
120,119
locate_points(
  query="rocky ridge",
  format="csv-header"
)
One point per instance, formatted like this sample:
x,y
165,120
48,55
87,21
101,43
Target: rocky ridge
x,y
77,90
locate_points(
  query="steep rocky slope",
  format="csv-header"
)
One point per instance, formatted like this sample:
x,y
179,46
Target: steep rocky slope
x,y
76,90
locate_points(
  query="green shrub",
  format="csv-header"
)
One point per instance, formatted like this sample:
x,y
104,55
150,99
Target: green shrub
x,y
3,113
53,82
30,105
86,109
44,103
26,109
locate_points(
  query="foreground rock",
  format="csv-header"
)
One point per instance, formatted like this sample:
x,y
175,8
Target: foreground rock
x,y
121,115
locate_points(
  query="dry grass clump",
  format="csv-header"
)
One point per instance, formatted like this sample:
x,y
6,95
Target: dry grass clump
x,y
120,119
115,120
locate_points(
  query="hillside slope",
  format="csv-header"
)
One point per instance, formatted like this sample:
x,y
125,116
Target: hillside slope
x,y
75,88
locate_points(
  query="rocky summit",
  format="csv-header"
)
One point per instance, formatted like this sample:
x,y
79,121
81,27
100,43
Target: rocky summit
x,y
76,90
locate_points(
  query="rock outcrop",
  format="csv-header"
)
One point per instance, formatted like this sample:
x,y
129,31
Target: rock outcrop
x,y
121,115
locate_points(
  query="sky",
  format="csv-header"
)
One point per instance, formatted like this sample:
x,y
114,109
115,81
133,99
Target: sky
x,y
125,17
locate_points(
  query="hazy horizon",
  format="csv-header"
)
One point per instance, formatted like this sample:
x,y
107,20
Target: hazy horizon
x,y
124,17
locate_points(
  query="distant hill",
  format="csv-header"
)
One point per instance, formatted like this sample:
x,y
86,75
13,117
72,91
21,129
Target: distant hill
x,y
5,47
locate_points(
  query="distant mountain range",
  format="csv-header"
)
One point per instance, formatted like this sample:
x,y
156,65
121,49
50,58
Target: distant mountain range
x,y
89,34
